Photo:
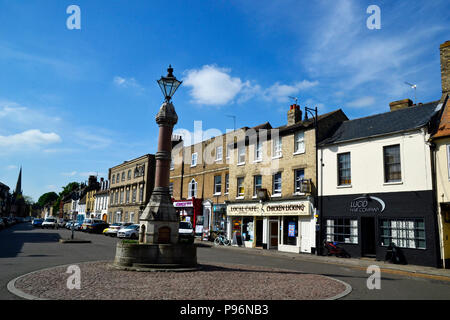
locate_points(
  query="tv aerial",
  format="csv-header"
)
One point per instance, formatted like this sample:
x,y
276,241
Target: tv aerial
x,y
413,86
294,98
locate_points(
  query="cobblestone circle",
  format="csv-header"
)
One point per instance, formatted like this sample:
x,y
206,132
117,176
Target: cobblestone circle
x,y
100,281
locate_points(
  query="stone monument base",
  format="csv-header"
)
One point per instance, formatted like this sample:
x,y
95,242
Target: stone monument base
x,y
156,257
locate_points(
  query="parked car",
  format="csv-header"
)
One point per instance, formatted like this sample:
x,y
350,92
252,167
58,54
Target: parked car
x,y
5,221
2,224
77,226
88,222
131,232
114,228
186,232
62,222
37,223
49,222
97,226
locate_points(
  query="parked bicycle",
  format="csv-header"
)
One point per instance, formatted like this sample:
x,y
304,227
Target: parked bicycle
x,y
222,240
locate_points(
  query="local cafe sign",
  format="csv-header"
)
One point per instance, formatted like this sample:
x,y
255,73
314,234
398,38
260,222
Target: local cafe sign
x,y
367,204
296,208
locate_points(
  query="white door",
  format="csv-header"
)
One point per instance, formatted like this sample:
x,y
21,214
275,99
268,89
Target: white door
x,y
307,235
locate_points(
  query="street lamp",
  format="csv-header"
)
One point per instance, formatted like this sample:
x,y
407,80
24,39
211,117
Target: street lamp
x,y
169,84
313,112
159,221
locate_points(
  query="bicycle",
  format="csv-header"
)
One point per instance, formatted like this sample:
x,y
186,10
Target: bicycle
x,y
222,239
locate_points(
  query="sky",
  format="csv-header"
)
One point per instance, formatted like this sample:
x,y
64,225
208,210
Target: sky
x,y
75,102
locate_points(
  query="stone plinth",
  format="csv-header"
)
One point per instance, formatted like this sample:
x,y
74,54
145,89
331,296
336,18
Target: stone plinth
x,y
164,256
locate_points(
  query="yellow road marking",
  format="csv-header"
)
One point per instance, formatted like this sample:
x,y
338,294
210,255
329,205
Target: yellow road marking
x,y
412,274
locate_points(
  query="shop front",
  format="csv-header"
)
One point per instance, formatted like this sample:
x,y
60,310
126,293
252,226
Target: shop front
x,y
366,224
281,225
191,211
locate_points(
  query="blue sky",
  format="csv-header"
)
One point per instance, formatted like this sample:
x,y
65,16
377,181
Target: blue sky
x,y
75,102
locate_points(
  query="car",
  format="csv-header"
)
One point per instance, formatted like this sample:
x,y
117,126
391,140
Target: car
x,y
114,228
62,223
97,226
68,225
77,225
131,232
87,222
37,223
49,222
186,232
5,221
2,224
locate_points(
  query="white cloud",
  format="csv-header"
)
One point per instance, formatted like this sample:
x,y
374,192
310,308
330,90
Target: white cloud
x,y
29,138
361,102
127,83
281,92
212,85
69,174
12,167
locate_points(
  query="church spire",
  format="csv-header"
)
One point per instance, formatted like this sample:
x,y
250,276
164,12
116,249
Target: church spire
x,y
18,189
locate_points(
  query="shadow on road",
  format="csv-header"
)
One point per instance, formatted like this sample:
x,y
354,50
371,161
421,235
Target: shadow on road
x,y
13,239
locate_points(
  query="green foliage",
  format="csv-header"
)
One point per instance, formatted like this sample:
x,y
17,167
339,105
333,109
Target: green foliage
x,y
47,199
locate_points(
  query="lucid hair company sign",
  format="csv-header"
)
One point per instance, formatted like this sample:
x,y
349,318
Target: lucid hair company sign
x,y
367,204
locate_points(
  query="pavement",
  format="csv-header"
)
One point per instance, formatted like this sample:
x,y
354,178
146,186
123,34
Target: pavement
x,y
362,263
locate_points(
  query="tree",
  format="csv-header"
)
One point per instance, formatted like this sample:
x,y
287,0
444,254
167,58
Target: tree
x,y
47,199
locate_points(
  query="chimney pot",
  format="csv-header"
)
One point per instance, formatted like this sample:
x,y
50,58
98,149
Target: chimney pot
x,y
400,104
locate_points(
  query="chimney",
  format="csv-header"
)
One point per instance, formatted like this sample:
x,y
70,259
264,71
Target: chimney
x,y
400,104
445,67
294,114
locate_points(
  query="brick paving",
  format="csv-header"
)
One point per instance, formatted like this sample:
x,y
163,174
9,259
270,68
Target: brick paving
x,y
100,281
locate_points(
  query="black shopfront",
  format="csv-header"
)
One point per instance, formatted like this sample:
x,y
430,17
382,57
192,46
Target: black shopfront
x,y
366,224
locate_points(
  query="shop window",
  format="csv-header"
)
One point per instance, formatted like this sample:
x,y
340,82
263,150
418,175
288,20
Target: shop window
x,y
343,230
247,229
257,184
404,233
240,187
217,184
236,225
299,140
392,166
277,184
344,169
290,230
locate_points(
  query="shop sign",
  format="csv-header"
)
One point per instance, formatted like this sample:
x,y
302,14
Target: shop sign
x,y
183,204
299,208
287,208
367,204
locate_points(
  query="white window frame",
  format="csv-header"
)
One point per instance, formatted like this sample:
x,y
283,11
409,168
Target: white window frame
x,y
194,162
296,181
216,193
192,192
219,153
299,142
277,148
274,193
227,183
240,148
258,151
255,191
239,195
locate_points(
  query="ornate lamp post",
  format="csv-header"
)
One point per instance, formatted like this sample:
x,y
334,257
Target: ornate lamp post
x,y
159,221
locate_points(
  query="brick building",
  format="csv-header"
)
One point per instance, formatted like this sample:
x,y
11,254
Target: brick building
x,y
272,184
